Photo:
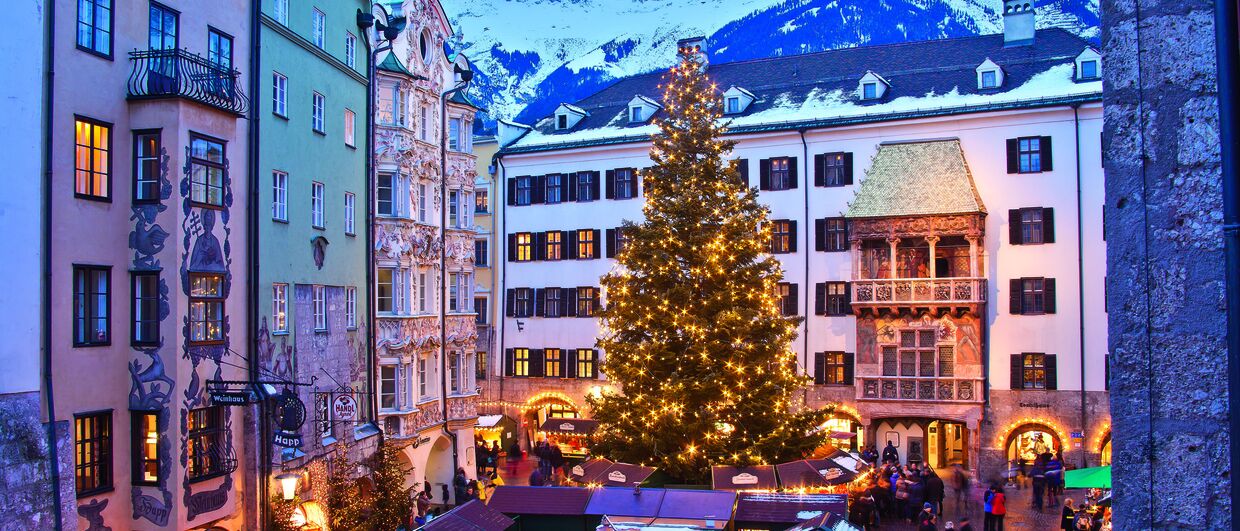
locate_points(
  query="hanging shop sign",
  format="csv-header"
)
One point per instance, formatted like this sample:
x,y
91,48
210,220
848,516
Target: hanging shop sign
x,y
230,393
289,415
344,408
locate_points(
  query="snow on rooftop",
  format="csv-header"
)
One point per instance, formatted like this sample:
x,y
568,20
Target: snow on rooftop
x,y
1054,82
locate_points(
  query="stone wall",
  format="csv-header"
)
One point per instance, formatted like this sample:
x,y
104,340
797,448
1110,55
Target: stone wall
x,y
24,468
1165,265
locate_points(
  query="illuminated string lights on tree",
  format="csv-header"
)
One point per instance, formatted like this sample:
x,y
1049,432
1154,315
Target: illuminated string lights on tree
x,y
692,328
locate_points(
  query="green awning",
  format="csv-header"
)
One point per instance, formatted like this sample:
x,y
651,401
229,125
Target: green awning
x,y
1088,478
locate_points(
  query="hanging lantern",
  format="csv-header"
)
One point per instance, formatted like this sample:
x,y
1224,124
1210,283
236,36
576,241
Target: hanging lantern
x,y
288,484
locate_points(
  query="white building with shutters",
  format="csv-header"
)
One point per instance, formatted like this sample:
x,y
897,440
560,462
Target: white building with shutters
x,y
941,235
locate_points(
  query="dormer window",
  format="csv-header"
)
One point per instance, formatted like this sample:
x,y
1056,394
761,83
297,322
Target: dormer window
x,y
990,79
635,114
869,91
736,100
642,109
561,121
567,116
1089,65
734,105
1089,69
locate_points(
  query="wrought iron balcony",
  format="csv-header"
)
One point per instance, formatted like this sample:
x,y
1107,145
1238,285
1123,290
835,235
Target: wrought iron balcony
x,y
177,73
919,291
922,389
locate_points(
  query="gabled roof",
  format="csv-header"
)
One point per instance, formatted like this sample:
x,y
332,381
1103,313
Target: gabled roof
x,y
573,108
391,63
917,179
552,501
647,101
928,78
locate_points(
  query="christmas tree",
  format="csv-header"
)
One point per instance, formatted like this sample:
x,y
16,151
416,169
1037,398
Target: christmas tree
x,y
692,329
344,504
392,501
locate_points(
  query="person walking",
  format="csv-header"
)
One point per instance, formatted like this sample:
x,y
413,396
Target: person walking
x,y
460,485
916,496
998,507
1038,474
1067,516
988,508
961,483
927,520
513,459
935,491
556,456
422,506
1054,480
902,508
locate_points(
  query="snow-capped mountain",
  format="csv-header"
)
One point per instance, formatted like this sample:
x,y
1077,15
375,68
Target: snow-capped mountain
x,y
532,55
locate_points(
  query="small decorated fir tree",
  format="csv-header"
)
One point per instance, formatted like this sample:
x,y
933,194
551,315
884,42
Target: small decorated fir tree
x,y
692,330
392,501
344,504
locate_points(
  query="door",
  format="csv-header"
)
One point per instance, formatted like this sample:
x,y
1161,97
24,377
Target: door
x,y
162,43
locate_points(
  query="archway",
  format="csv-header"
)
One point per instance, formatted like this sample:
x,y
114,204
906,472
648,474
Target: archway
x,y
440,469
1104,450
406,464
844,432
1027,441
538,409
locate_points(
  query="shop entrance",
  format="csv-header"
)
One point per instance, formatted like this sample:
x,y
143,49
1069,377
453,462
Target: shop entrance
x,y
947,444
1027,442
939,443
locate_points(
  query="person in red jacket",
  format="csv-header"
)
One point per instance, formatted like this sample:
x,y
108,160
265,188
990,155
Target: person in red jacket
x,y
998,509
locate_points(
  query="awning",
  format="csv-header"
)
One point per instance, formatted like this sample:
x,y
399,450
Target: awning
x,y
589,469
789,509
488,421
472,516
761,477
1098,477
569,426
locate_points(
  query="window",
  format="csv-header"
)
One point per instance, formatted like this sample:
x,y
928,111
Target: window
x,y
916,353
94,27
349,127
454,294
586,249
890,361
454,134
1030,226
425,129
869,91
318,25
990,79
523,302
323,414
350,215
947,361
92,159
279,94
423,378
316,113
524,191
384,195
144,439
779,172
554,188
1089,69
481,254
145,329
385,290
92,288
206,308
279,308
350,307
552,302
1029,154
635,114
787,298
833,368
1033,371
206,171
1033,296
146,166
561,121
553,361
480,310
521,362
424,46
422,198
205,443
586,186
480,366
280,11
482,201
833,299
734,105
586,362
219,56
316,205
783,236
320,308
836,169
279,196
454,208
587,301
423,293
92,445
524,250
454,372
832,235
350,50
162,35
387,387
626,184
554,245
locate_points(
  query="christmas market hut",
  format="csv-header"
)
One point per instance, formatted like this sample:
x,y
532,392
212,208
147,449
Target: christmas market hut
x,y
591,468
683,509
572,435
779,511
759,478
472,516
620,475
825,522
543,508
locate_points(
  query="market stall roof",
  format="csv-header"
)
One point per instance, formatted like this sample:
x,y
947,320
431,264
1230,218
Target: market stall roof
x,y
846,460
569,426
625,502
488,421
589,469
705,505
620,475
832,471
760,477
473,516
786,507
625,523
800,475
555,501
826,522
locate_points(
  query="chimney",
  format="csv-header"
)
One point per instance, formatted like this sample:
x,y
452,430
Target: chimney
x,y
694,47
1018,22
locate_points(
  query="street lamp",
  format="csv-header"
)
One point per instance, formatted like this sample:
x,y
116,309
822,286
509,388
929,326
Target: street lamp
x,y
288,484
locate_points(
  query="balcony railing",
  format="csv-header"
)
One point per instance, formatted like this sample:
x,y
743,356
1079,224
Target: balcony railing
x,y
922,389
181,74
912,291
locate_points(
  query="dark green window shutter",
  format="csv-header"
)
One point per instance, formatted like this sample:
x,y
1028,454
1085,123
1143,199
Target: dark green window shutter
x,y
1052,376
1015,236
1047,160
1018,381
1014,296
1048,295
1048,225
849,361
